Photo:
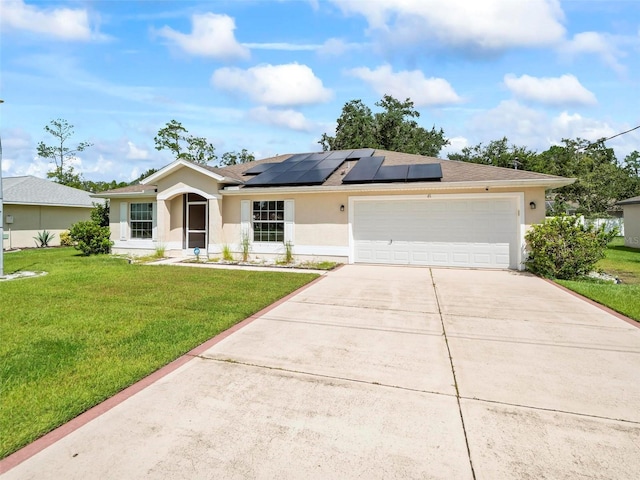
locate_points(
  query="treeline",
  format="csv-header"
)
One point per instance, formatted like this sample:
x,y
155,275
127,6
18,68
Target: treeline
x,y
601,178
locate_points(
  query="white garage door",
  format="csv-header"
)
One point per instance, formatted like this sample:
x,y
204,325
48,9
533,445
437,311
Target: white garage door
x,y
440,232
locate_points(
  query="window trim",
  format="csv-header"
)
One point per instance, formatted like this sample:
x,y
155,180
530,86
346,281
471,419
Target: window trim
x,y
150,222
275,217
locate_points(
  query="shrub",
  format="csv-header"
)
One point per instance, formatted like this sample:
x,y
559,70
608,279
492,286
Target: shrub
x,y
100,214
227,256
245,244
65,239
562,247
91,238
43,238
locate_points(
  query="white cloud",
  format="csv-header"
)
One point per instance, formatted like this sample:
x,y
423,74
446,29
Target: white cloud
x,y
479,24
281,118
337,46
533,128
211,36
136,153
568,125
563,90
284,46
281,85
595,43
61,23
456,144
408,84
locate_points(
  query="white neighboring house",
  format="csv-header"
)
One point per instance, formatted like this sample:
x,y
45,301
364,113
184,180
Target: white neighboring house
x,y
631,209
33,204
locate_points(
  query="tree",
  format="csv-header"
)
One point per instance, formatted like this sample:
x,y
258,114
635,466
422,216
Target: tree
x,y
392,129
60,154
632,163
175,137
600,180
235,158
497,153
144,175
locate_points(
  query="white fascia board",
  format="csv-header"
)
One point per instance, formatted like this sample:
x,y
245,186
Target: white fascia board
x,y
172,167
30,204
150,194
405,186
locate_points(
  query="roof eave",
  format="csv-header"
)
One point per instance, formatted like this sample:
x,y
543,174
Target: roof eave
x,y
177,164
550,183
151,194
37,204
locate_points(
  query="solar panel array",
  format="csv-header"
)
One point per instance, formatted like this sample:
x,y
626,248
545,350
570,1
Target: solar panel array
x,y
315,168
370,170
302,168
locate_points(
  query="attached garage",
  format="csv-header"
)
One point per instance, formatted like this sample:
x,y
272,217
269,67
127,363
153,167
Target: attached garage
x,y
452,231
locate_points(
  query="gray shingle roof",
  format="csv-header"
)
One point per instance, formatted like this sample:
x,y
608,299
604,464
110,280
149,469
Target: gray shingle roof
x,y
31,190
452,170
630,201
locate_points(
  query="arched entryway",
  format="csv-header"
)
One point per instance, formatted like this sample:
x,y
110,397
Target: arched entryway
x,y
195,221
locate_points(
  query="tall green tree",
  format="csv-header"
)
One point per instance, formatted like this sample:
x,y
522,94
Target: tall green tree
x,y
60,154
235,158
601,180
394,128
175,138
632,163
499,154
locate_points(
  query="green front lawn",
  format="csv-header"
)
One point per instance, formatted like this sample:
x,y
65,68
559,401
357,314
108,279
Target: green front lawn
x,y
624,263
95,325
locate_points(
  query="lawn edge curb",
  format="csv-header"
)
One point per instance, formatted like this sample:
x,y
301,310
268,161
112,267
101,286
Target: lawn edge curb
x,y
611,311
33,448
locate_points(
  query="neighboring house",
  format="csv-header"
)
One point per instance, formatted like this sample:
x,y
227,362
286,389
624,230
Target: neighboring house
x,y
351,206
33,204
631,212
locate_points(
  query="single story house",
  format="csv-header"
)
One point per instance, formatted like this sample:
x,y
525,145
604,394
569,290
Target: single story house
x,y
352,206
631,212
33,204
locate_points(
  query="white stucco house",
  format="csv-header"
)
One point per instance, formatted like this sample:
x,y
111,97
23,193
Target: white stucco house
x,y
33,204
631,213
365,205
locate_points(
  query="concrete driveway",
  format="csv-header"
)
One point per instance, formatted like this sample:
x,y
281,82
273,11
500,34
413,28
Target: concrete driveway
x,y
385,372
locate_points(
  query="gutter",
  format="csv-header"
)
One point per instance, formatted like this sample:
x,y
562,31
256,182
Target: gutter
x,y
405,186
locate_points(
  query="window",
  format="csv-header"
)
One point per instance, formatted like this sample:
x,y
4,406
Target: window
x,y
141,220
268,221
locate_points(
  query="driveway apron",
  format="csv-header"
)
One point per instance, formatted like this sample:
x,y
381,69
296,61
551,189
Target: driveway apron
x,y
385,372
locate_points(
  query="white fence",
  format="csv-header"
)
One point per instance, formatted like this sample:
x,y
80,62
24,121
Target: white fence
x,y
609,223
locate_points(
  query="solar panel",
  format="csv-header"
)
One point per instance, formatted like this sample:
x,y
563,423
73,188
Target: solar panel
x,y
297,157
361,153
340,154
430,171
318,156
364,170
264,178
260,168
392,173
315,176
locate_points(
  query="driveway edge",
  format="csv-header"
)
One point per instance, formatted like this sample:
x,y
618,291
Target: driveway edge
x,y
94,412
611,311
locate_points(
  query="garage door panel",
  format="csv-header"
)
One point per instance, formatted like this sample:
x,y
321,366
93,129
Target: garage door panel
x,y
439,232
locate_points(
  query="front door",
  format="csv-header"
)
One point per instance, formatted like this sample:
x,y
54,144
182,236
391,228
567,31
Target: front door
x,y
195,221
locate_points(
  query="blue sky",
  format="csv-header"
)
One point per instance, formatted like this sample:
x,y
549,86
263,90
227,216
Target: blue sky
x,y
272,75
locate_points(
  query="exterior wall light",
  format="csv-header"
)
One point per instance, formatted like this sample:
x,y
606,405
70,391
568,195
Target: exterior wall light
x,y
532,205
342,208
